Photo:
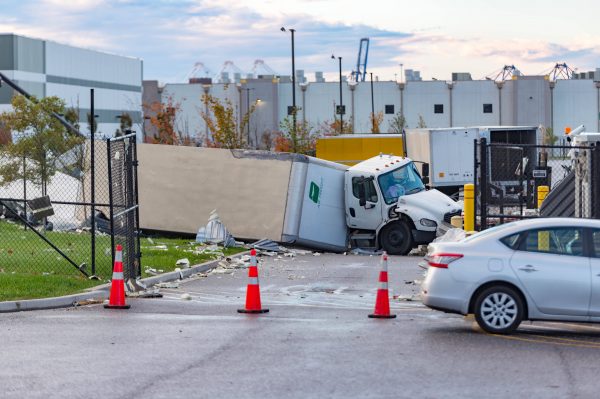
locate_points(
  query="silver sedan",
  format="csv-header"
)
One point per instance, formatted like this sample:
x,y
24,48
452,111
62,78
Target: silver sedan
x,y
538,269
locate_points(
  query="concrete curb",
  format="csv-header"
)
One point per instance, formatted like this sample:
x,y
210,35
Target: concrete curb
x,y
51,303
101,292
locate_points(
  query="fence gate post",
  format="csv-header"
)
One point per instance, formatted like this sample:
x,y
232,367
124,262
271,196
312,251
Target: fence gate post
x,y
595,181
483,183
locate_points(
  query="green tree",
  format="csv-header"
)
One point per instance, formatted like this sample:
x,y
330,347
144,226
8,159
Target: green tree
x,y
43,140
223,123
302,140
421,123
398,124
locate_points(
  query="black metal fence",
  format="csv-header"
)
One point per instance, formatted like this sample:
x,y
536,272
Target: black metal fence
x,y
508,177
70,224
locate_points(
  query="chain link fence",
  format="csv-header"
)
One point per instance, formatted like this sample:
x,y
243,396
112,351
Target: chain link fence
x,y
518,181
69,224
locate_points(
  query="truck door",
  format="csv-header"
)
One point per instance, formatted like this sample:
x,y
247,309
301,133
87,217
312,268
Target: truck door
x,y
367,216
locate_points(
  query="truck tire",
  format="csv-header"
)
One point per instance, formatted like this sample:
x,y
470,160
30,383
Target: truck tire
x,y
396,238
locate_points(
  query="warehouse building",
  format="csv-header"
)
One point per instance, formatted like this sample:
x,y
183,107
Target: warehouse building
x,y
518,101
46,68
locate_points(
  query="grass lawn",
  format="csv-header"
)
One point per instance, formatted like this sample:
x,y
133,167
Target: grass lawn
x,y
30,268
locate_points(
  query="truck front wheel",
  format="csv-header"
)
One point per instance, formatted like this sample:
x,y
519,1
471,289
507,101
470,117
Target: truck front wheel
x,y
396,238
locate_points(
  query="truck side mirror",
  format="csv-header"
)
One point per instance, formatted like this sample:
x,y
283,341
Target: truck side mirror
x,y
425,173
362,197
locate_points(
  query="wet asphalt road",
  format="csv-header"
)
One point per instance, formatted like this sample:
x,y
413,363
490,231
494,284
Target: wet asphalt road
x,y
316,342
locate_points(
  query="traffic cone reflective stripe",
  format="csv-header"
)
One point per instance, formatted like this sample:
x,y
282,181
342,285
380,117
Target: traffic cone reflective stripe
x,y
117,288
382,302
253,304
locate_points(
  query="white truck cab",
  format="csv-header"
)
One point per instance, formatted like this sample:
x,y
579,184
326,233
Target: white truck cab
x,y
389,206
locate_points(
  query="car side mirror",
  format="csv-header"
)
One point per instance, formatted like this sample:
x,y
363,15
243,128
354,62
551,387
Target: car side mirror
x,y
362,202
425,180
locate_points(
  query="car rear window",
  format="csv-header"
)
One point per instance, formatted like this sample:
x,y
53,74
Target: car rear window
x,y
511,240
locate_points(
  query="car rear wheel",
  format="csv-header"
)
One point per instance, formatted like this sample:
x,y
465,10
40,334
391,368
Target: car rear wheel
x,y
499,309
396,238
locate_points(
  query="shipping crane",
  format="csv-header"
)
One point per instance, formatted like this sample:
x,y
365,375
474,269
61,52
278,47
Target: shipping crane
x,y
261,65
560,71
199,70
361,64
505,73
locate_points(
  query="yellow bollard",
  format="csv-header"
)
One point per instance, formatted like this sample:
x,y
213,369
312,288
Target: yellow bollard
x,y
469,210
542,193
456,221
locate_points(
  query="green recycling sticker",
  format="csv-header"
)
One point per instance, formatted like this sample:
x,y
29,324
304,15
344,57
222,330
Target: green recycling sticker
x,y
314,192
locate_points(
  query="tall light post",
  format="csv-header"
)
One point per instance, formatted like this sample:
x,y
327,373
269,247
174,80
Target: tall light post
x,y
372,105
248,111
293,88
341,106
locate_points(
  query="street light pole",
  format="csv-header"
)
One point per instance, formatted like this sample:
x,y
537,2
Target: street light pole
x,y
341,101
401,73
372,106
292,31
248,111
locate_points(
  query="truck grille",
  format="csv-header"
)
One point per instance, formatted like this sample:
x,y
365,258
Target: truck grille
x,y
448,216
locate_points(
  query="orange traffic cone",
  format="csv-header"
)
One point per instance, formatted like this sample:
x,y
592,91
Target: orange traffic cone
x,y
117,288
382,303
253,290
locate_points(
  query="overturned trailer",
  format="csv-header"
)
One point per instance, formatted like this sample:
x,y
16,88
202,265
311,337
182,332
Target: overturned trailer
x,y
381,202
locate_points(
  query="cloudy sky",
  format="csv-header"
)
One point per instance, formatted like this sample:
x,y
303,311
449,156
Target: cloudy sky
x,y
437,37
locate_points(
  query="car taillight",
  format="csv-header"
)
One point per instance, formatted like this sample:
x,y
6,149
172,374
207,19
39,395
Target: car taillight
x,y
442,260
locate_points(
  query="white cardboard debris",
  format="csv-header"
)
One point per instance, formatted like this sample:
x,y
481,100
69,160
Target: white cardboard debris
x,y
169,284
452,235
184,263
215,232
185,296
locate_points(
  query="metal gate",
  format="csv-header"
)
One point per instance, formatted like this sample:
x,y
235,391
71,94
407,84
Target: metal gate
x,y
507,177
124,207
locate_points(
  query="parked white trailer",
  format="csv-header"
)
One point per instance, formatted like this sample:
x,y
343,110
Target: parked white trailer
x,y
450,151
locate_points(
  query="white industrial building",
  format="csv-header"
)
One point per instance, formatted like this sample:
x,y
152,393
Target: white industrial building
x,y
518,101
45,68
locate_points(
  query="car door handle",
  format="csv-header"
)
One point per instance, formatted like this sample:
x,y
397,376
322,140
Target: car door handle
x,y
528,269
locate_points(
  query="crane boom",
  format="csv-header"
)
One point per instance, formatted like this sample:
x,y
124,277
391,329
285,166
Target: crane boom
x,y
361,64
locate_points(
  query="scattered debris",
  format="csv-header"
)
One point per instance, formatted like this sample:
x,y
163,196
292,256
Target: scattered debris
x,y
452,235
185,296
185,263
168,284
85,302
266,245
177,269
215,232
158,248
404,298
153,272
365,251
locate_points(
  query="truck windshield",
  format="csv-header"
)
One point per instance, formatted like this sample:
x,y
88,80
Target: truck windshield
x,y
402,181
